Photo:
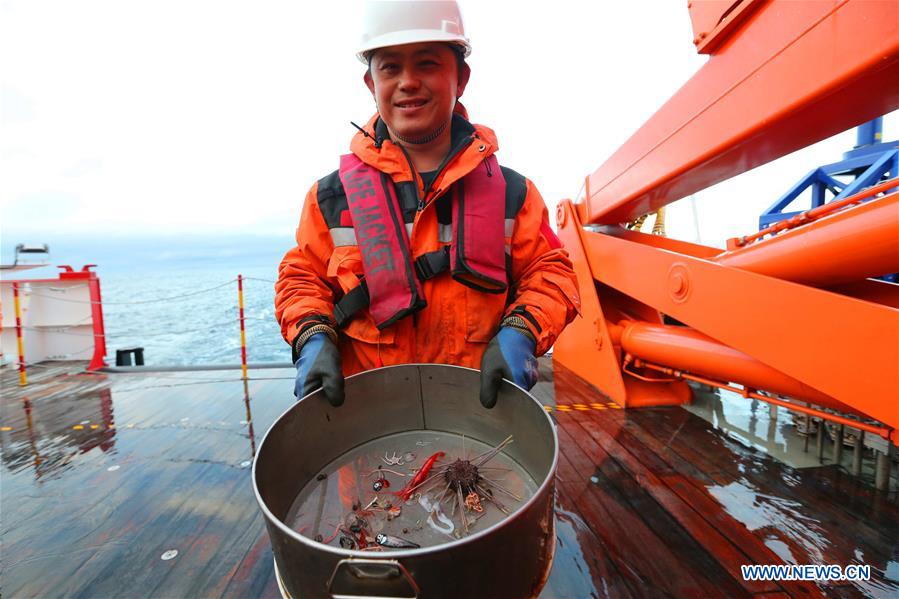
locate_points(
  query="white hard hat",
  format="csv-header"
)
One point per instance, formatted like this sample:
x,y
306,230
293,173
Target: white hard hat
x,y
397,22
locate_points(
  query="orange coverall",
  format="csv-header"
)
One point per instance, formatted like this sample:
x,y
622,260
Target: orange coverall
x,y
458,321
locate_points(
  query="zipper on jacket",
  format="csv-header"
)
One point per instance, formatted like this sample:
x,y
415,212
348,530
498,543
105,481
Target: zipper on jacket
x,y
415,177
452,154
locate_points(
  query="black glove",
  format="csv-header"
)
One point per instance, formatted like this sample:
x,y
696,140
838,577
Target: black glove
x,y
319,366
509,355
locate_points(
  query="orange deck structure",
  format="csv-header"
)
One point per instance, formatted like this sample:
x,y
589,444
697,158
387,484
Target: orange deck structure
x,y
791,314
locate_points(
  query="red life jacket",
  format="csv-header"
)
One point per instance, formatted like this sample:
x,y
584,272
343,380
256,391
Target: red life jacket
x,y
476,257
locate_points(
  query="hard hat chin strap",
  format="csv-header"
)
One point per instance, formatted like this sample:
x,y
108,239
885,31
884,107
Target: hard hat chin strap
x,y
421,140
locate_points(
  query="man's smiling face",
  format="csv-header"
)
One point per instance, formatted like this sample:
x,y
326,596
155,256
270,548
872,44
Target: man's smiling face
x,y
415,87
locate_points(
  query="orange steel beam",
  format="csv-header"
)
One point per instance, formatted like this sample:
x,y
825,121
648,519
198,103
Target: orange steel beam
x,y
884,432
795,73
841,346
585,346
844,247
683,348
871,290
714,21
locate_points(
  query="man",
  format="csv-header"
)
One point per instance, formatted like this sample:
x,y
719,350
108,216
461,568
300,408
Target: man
x,y
420,247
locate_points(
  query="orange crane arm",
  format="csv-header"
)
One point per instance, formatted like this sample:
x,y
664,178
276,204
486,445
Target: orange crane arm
x,y
786,75
789,310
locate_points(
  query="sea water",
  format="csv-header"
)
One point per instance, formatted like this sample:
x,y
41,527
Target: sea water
x,y
324,508
191,316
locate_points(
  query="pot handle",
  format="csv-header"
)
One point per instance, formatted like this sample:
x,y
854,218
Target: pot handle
x,y
360,577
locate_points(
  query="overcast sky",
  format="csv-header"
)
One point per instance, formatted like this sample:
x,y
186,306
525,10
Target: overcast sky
x,y
187,116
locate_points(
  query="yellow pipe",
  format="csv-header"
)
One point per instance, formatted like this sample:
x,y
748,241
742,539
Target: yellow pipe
x,y
243,335
23,376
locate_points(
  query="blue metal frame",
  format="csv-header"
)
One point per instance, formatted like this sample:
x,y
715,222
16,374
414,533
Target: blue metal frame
x,y
869,162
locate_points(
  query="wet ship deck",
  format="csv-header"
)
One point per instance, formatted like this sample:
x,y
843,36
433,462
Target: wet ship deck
x,y
103,474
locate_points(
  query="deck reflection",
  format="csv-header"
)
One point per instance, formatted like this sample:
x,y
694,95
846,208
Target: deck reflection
x,y
103,474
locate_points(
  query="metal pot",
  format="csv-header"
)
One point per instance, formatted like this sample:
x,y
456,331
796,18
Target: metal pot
x,y
510,559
